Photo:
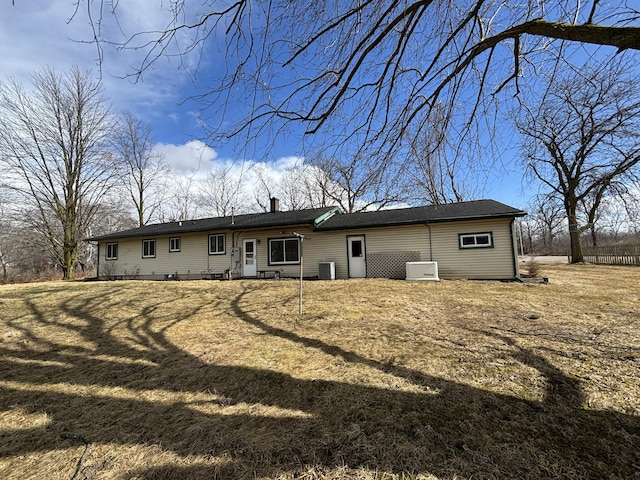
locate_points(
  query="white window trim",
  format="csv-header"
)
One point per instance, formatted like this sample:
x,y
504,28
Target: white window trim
x,y
172,247
149,241
224,244
106,254
475,237
284,240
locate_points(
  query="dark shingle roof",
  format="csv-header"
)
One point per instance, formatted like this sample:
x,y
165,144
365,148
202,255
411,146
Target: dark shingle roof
x,y
237,222
429,214
316,217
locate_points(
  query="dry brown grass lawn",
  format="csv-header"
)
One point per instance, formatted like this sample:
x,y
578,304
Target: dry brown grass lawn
x,y
380,380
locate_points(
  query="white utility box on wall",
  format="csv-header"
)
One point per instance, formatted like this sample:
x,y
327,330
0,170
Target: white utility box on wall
x,y
422,271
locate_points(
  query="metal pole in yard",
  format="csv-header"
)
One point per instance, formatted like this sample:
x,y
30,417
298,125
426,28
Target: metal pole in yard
x,y
301,276
301,237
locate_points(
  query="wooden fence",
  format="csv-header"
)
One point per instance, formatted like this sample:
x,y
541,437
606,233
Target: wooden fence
x,y
612,254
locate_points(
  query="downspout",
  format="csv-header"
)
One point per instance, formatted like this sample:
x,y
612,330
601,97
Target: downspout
x,y
208,252
233,264
514,253
98,263
430,242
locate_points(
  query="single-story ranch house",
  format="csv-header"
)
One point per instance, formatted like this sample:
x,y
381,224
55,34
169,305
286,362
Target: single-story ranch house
x,y
473,240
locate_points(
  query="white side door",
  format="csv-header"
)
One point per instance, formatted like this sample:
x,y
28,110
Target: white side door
x,y
357,256
249,259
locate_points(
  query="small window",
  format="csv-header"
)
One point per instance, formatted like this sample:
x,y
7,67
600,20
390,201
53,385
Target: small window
x,y
356,248
149,248
284,250
112,251
476,240
174,244
216,244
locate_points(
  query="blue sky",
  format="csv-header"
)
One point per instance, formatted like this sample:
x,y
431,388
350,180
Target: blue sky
x,y
31,38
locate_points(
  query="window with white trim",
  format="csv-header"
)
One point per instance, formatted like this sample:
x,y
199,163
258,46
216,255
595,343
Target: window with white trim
x,y
149,248
112,251
174,244
475,240
217,244
284,251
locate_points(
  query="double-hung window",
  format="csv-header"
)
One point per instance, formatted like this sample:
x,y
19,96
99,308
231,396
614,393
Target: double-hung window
x,y
217,244
174,244
284,251
112,251
149,248
475,240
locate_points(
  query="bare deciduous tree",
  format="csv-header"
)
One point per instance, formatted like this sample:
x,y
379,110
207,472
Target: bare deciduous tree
x,y
53,143
298,186
222,193
144,173
583,142
181,203
548,215
357,185
438,171
315,186
26,248
613,222
7,231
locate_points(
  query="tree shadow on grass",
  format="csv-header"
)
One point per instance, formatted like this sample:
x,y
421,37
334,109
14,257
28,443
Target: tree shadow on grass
x,y
314,427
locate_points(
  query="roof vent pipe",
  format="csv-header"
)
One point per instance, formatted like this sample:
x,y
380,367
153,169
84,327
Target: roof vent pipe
x,y
275,204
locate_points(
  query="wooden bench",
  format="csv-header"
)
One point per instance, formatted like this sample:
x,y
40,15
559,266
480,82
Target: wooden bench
x,y
264,273
213,275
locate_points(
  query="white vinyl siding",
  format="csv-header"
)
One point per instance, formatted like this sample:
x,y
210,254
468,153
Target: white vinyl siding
x,y
192,259
474,263
333,245
291,269
453,262
478,263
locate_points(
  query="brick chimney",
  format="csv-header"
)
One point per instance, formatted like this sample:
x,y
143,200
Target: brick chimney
x,y
275,204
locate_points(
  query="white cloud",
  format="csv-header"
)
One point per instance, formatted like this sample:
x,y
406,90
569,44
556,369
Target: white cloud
x,y
196,159
279,167
285,164
192,158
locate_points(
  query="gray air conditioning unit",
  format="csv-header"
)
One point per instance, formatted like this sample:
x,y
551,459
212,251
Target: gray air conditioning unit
x,y
327,270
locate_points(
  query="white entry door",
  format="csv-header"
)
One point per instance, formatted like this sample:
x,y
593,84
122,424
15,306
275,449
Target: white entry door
x,y
357,256
249,260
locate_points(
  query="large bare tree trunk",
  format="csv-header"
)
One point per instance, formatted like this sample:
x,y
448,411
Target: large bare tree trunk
x,y
574,236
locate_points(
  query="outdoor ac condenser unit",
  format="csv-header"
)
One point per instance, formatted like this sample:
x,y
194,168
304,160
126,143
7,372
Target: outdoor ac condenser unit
x,y
422,271
327,270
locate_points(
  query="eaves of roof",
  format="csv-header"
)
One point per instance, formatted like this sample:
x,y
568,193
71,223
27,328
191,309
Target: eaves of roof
x,y
473,210
252,221
328,218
